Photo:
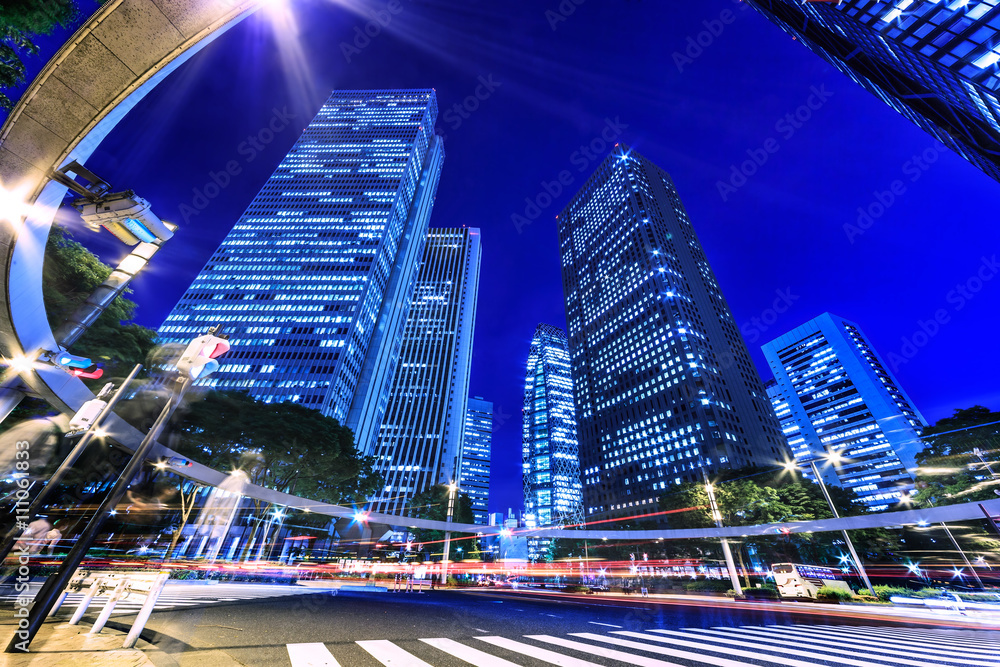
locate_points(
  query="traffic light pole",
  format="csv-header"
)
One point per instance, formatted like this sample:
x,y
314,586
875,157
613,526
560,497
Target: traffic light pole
x,y
57,477
726,551
847,538
54,585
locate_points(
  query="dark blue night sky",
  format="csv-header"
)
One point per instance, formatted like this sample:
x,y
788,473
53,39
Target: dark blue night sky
x,y
789,234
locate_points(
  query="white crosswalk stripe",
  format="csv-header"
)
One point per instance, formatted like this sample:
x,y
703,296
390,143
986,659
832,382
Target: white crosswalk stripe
x,y
843,637
781,650
908,635
179,595
311,655
838,644
781,646
391,655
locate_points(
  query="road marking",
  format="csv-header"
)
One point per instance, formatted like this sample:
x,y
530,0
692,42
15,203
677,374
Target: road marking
x,y
906,636
812,636
553,616
468,654
391,655
311,655
817,646
630,658
900,640
731,642
607,625
542,654
480,630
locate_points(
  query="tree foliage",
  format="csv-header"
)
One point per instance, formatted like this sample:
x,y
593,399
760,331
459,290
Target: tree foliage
x,y
20,22
282,446
945,475
433,504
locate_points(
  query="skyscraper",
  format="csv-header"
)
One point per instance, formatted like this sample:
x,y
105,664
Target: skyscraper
x,y
834,394
550,452
664,383
936,63
313,282
419,443
474,479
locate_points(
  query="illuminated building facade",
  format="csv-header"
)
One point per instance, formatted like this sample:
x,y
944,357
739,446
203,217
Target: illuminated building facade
x,y
664,383
550,453
474,479
313,282
834,394
419,443
935,62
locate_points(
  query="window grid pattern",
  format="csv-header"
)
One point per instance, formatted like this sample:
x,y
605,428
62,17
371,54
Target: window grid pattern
x,y
420,438
300,281
475,473
664,383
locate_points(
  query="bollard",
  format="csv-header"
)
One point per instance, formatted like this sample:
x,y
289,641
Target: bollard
x,y
147,609
85,602
109,607
55,607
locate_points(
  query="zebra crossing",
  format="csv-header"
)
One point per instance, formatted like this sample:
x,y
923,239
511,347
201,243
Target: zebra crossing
x,y
177,595
781,645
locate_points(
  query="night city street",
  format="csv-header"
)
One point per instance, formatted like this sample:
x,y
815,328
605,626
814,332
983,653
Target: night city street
x,y
342,333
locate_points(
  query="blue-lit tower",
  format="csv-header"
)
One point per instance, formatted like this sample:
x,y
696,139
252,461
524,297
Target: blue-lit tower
x,y
664,383
474,479
835,395
550,453
419,442
936,62
314,281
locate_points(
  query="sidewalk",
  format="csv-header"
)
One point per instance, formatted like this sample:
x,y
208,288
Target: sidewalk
x,y
59,644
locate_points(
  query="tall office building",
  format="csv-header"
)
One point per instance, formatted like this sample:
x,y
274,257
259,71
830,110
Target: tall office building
x,y
419,443
474,479
834,394
664,383
937,63
313,282
550,452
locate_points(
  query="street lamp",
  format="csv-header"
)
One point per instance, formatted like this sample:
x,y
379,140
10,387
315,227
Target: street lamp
x,y
834,458
717,515
452,488
907,499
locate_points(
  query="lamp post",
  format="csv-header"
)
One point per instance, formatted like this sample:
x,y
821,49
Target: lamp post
x,y
947,531
834,458
730,564
452,488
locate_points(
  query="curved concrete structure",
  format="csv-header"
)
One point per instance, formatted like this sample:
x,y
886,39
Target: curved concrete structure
x,y
124,50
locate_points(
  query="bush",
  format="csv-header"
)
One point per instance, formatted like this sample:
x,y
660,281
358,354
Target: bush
x,y
708,585
883,593
831,593
927,593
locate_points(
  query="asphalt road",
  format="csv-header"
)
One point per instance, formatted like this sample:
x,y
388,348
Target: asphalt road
x,y
362,629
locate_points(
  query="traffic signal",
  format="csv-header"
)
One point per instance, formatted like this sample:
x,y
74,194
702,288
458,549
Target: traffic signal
x,y
199,358
95,372
86,415
125,215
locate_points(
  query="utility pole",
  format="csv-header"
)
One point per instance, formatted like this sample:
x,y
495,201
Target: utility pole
x,y
847,538
452,488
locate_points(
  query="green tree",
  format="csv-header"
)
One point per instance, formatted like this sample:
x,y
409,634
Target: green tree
x,y
282,446
20,21
944,475
433,504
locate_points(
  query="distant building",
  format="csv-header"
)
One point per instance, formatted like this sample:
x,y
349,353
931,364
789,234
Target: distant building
x,y
834,394
420,439
313,282
664,383
475,472
937,63
550,451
